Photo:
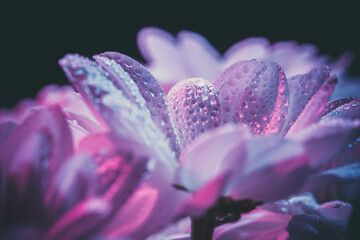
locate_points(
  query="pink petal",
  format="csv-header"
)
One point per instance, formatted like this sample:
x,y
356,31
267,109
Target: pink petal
x,y
194,108
31,155
163,54
211,156
258,224
6,129
309,94
250,48
149,88
72,183
201,58
270,171
152,204
114,103
254,94
327,138
81,220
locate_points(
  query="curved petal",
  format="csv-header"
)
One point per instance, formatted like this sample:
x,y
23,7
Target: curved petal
x,y
348,108
258,224
327,138
150,90
113,102
30,157
194,108
152,204
178,230
270,171
6,128
309,94
254,94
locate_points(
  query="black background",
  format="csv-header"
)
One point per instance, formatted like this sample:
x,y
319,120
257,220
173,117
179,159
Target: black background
x,y
34,35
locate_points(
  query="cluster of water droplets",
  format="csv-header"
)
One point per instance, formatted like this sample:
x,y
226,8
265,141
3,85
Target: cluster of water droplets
x,y
194,108
255,95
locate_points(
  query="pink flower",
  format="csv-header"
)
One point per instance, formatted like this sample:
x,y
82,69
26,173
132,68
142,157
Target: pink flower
x,y
212,150
172,59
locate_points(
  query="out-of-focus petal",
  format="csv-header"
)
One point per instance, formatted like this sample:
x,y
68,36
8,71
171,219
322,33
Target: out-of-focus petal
x,y
20,112
30,157
258,224
178,230
309,94
270,171
113,102
211,155
6,129
327,138
152,205
72,183
250,48
86,217
315,227
148,87
194,108
172,59
254,94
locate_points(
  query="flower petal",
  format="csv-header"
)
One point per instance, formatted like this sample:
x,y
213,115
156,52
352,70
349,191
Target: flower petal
x,y
114,103
347,108
84,218
309,94
327,138
254,94
270,171
71,184
179,229
211,155
6,129
257,224
149,88
194,108
315,227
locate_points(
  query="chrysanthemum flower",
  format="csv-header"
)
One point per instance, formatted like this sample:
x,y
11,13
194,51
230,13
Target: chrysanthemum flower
x,y
212,150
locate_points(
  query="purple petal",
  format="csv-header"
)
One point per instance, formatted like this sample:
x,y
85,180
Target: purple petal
x,y
31,155
6,129
114,103
149,89
309,94
254,94
81,220
178,230
270,171
71,184
331,106
257,224
211,156
194,108
327,138
315,227
121,169
348,108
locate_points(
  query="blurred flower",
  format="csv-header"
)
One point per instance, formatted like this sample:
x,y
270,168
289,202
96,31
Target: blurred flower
x,y
172,59
211,151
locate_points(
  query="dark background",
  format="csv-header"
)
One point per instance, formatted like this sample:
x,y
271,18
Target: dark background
x,y
34,35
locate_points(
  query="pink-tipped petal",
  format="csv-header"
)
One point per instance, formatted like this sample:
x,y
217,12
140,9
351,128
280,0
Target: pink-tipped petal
x,y
72,183
327,138
114,103
212,155
254,94
194,108
87,216
148,87
309,94
270,171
